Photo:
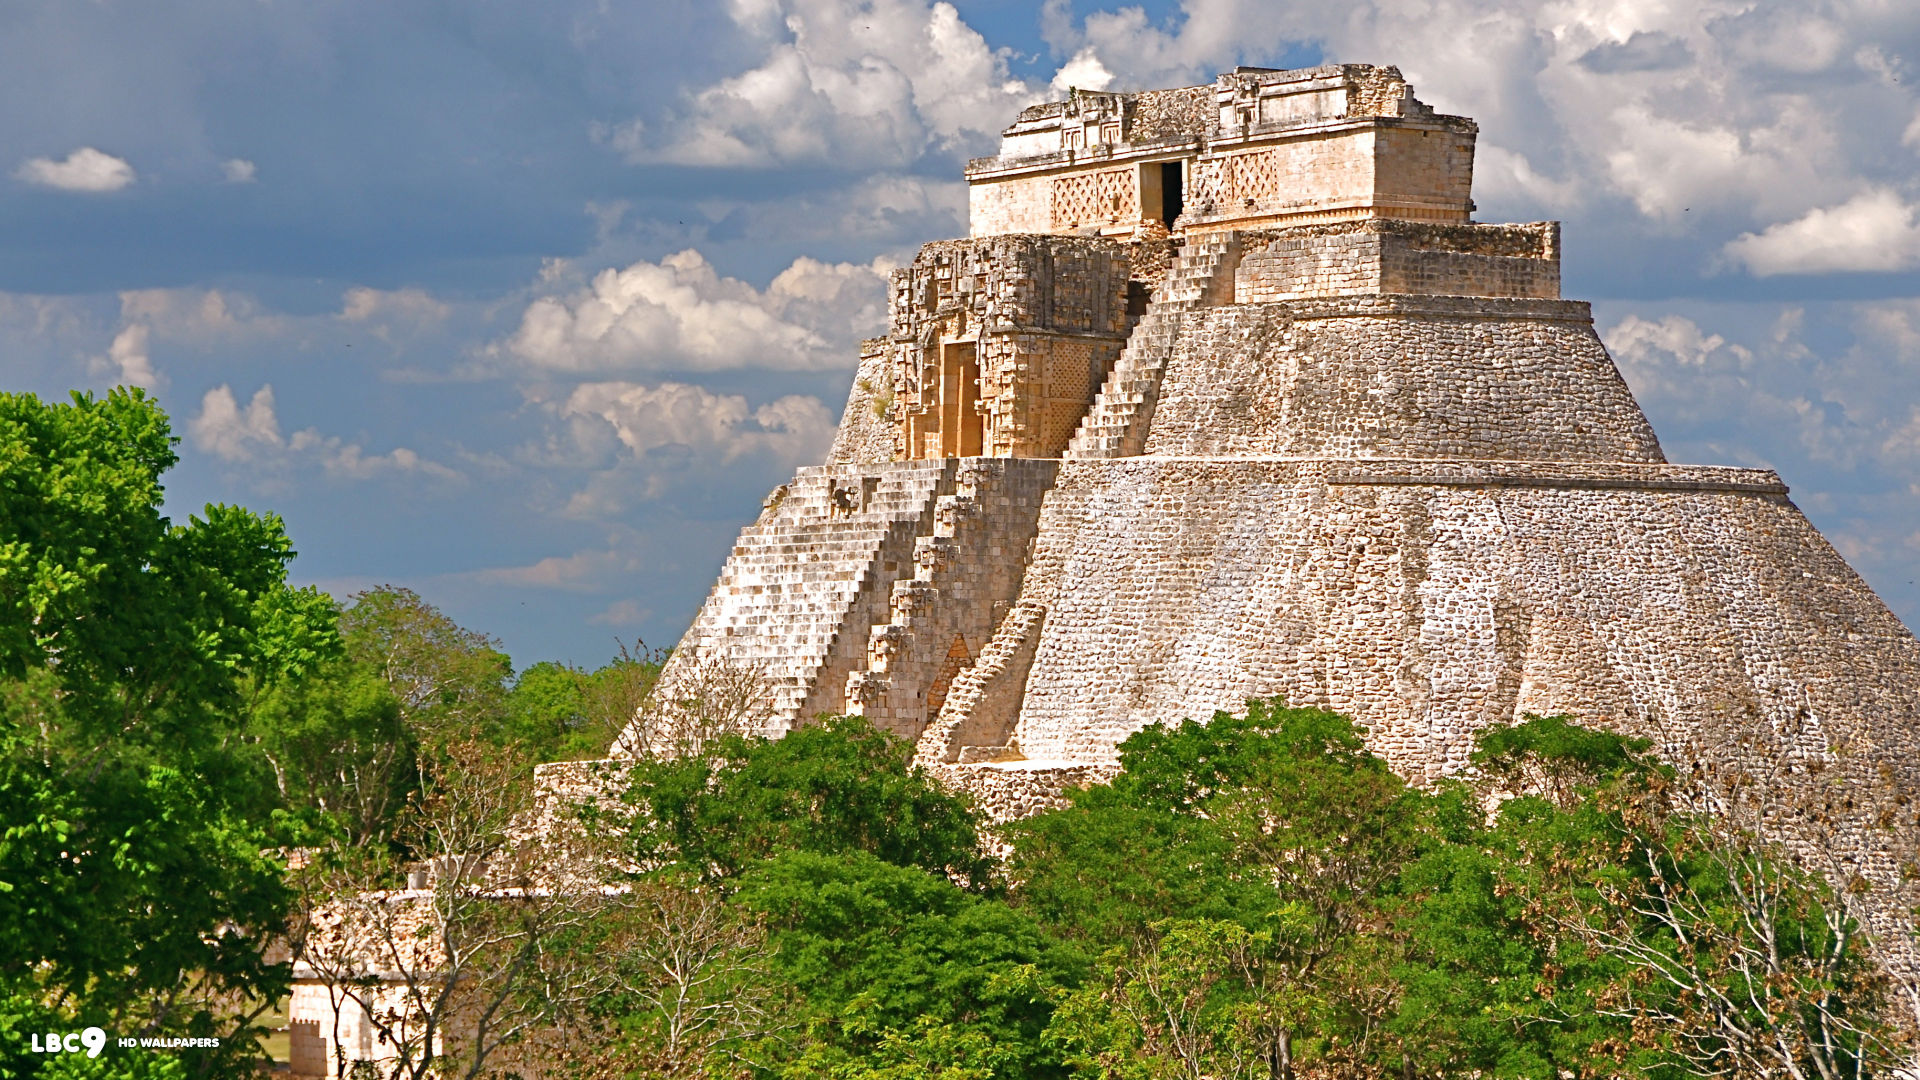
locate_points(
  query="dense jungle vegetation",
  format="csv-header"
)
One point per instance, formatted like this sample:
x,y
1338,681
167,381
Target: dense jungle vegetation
x,y
199,762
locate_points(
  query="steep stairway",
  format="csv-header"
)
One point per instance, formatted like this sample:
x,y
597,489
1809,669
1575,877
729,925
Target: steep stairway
x,y
806,581
963,581
1116,423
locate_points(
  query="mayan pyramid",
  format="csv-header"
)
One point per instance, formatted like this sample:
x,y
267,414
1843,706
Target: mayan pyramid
x,y
1226,395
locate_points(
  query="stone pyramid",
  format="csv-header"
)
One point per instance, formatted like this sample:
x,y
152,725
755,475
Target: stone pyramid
x,y
1227,396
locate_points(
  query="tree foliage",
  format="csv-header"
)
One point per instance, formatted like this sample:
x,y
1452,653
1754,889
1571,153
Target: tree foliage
x,y
135,888
837,787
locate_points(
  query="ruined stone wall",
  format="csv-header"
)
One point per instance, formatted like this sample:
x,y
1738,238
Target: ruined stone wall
x,y
1397,377
1156,115
1380,256
1381,91
1019,790
867,427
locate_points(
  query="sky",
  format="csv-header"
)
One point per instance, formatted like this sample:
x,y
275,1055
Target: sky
x,y
526,306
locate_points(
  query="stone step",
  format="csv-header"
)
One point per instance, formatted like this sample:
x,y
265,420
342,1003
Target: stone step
x,y
1194,279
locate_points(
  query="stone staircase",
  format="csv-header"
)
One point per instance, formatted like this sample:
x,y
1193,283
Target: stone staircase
x,y
1116,424
967,573
806,581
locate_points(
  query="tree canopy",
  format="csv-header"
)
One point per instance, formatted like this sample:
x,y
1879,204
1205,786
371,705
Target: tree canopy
x,y
137,885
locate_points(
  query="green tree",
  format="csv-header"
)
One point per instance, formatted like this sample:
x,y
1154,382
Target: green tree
x,y
883,955
450,682
338,745
356,741
565,713
1270,896
1728,957
134,888
836,787
1251,861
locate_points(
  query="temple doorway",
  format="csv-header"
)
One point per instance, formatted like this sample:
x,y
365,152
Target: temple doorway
x,y
1163,192
961,426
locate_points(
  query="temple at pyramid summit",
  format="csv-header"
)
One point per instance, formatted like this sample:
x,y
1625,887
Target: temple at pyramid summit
x,y
1227,395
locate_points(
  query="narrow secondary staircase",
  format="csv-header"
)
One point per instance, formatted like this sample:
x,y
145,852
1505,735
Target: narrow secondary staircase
x,y
967,572
806,581
1116,424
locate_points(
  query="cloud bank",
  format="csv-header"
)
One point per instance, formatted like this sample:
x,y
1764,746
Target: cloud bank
x,y
680,314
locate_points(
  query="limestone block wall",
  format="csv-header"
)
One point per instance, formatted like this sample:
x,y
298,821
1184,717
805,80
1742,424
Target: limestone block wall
x,y
1015,204
1378,256
1450,273
867,427
1426,166
312,1031
965,578
1417,170
807,580
1429,599
1015,790
1392,376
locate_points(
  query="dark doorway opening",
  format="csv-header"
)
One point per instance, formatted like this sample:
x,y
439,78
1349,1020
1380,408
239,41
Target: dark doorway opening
x,y
1172,194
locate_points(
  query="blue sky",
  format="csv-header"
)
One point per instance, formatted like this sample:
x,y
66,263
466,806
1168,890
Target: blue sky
x,y
526,306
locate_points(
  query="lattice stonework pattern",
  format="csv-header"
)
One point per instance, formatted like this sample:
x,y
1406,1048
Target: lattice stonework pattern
x,y
1206,183
1253,176
1068,390
1089,197
1062,419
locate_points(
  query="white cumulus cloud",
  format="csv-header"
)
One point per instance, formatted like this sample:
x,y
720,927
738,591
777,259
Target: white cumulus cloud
x,y
680,314
362,304
854,83
238,170
128,355
794,428
251,436
1083,72
232,433
86,169
197,315
1875,230
1674,339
